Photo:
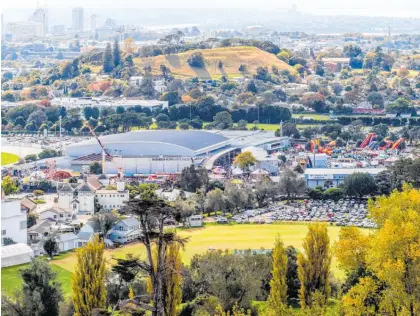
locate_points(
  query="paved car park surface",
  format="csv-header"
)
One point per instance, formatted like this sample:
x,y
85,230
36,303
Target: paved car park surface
x,y
344,212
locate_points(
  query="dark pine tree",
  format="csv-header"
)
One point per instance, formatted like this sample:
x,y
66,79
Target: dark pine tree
x,y
117,54
108,59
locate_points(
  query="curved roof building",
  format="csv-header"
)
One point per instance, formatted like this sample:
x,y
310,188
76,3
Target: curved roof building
x,y
149,143
168,151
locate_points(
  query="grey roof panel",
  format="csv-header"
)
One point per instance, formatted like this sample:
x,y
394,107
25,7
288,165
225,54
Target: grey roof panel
x,y
84,187
66,188
193,140
130,221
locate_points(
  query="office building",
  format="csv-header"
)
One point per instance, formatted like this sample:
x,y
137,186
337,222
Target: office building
x,y
24,31
78,19
40,16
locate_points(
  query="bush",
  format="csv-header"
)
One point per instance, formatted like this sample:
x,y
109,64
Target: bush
x,y
48,153
196,60
40,201
38,192
333,194
31,157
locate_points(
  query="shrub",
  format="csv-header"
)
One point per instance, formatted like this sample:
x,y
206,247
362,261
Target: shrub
x,y
196,60
38,192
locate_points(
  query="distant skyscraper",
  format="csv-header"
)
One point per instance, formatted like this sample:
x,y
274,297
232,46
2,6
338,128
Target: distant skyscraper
x,y
24,31
93,22
77,19
40,16
3,31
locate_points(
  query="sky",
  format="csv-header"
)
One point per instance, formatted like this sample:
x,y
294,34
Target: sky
x,y
401,8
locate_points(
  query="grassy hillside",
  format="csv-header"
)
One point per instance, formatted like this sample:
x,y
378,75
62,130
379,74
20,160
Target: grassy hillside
x,y
231,57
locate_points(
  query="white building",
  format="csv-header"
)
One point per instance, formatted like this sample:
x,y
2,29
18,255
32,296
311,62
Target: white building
x,y
22,31
195,221
40,16
113,199
158,82
317,176
93,22
108,102
80,199
135,80
13,221
264,160
77,19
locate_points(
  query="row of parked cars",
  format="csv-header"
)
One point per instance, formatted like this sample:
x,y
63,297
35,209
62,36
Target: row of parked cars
x,y
345,212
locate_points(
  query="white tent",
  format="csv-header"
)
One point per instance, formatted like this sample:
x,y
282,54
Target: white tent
x,y
237,171
260,172
13,255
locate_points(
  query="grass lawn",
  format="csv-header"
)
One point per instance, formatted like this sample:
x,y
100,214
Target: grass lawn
x,y
12,282
7,158
266,127
317,117
228,237
221,237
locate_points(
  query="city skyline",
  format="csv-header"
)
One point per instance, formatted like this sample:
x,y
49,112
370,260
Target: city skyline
x,y
322,7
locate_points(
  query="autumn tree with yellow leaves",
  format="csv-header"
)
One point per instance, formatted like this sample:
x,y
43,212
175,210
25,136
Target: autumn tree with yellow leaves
x,y
314,267
245,160
391,285
88,280
277,299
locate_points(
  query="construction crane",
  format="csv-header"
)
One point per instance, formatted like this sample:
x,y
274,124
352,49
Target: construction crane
x,y
105,152
99,141
121,30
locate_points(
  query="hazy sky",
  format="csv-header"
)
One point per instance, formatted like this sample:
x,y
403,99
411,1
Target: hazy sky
x,y
401,8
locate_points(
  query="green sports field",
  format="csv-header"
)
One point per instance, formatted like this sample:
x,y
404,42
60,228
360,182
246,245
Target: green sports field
x,y
12,282
7,158
229,237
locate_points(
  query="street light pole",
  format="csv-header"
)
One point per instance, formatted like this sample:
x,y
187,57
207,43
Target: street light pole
x,y
61,145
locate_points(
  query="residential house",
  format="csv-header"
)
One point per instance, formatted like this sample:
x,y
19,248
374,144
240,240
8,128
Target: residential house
x,y
135,81
28,204
40,230
335,64
125,230
58,214
87,231
67,241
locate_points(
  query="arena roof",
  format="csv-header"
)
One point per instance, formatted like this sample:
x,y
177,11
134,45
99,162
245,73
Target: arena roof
x,y
193,140
153,142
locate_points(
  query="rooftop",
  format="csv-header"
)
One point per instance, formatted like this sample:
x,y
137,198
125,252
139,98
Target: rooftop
x,y
193,140
343,170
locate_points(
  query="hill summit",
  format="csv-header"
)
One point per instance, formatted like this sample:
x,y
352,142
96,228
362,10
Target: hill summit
x,y
224,61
